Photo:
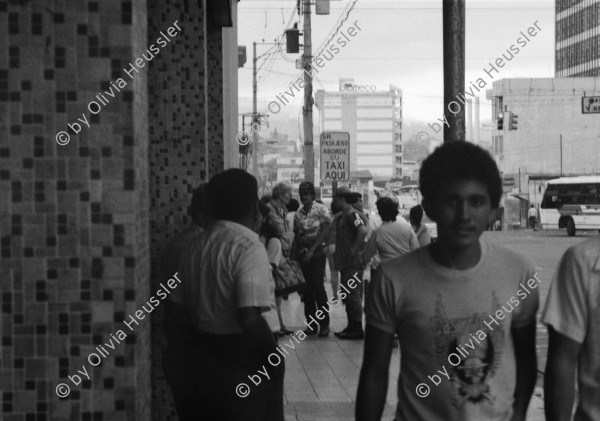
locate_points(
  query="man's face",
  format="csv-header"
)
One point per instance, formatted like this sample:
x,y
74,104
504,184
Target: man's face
x,y
286,197
306,198
462,211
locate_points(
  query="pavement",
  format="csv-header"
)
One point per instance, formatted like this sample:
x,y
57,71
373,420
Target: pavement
x,y
321,374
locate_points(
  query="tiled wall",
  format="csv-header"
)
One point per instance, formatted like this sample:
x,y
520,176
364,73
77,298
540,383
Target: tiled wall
x,y
74,220
82,224
177,149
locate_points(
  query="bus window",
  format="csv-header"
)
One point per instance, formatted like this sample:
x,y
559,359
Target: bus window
x,y
550,197
549,202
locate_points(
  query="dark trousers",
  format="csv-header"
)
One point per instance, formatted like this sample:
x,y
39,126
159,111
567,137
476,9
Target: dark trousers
x,y
354,294
532,221
205,377
315,297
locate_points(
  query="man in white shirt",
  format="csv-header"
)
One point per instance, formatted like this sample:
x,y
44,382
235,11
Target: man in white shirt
x,y
532,214
225,276
572,314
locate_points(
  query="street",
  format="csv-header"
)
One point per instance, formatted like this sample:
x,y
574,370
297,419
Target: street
x,y
544,249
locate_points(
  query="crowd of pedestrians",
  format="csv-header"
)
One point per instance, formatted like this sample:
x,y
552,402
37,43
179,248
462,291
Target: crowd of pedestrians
x,y
458,293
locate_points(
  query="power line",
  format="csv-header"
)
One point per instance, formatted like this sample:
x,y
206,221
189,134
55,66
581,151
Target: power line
x,y
340,22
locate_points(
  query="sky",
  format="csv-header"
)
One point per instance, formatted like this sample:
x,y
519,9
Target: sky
x,y
400,43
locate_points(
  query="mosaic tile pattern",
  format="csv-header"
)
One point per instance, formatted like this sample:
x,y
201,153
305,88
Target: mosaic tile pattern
x,y
80,224
73,219
180,125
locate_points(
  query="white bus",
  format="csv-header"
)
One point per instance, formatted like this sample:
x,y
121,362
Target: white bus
x,y
572,203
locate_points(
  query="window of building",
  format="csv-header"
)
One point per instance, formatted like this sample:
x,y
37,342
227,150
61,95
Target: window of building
x,y
384,149
374,124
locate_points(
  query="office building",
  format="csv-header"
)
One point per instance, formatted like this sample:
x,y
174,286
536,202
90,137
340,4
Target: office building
x,y
555,131
577,38
373,119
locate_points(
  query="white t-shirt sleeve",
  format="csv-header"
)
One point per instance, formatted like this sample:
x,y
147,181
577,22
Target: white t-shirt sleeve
x,y
252,278
381,306
528,299
566,308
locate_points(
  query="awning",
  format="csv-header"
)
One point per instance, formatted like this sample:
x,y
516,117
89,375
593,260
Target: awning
x,y
521,196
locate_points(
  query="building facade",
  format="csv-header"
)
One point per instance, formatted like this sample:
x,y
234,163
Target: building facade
x,y
557,133
577,38
373,119
84,223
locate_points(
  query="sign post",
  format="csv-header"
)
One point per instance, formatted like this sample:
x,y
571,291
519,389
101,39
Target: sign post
x,y
335,158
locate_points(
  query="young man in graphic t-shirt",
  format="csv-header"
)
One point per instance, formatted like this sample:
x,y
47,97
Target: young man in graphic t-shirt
x,y
464,310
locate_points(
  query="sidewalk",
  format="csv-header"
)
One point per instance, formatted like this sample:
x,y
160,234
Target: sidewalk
x,y
321,374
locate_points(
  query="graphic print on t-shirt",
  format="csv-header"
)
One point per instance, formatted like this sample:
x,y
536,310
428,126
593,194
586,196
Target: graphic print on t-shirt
x,y
357,220
470,351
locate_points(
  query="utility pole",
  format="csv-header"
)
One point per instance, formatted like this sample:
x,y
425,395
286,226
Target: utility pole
x,y
309,154
454,68
561,173
254,112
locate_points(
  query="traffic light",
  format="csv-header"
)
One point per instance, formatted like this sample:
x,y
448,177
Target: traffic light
x,y
513,122
292,40
500,125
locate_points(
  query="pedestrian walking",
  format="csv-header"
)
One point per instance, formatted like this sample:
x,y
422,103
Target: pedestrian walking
x,y
393,237
498,225
467,343
349,245
311,225
572,314
225,277
416,218
532,214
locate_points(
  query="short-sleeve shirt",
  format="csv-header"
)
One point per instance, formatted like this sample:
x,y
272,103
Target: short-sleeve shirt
x,y
456,325
309,225
225,268
347,226
392,239
573,310
173,253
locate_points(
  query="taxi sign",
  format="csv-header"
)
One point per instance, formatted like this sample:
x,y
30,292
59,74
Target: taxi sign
x,y
335,156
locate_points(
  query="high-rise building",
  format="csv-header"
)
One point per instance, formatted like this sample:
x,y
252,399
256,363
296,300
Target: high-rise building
x,y
373,119
577,38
